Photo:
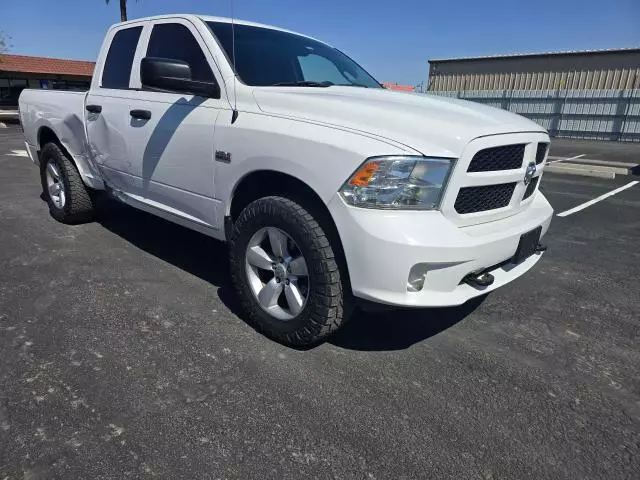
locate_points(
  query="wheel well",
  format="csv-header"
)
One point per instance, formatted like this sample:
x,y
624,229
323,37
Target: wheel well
x,y
46,135
266,183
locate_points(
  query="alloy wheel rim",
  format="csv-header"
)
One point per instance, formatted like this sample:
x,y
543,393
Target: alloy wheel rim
x,y
277,273
55,185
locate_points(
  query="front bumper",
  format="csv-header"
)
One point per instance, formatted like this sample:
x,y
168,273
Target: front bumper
x,y
382,247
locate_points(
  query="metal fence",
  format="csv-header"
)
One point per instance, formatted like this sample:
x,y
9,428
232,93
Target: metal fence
x,y
585,114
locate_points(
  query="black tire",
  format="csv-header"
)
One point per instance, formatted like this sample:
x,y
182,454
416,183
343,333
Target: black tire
x,y
78,205
324,311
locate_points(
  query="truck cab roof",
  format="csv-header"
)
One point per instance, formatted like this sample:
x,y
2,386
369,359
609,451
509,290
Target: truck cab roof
x,y
211,18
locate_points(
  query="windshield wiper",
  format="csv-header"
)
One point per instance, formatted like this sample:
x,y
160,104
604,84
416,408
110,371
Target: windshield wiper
x,y
303,83
351,85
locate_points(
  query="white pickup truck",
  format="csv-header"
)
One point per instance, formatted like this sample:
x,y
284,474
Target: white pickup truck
x,y
327,187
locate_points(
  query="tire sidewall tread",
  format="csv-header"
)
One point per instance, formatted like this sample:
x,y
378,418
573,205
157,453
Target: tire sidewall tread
x,y
78,205
324,312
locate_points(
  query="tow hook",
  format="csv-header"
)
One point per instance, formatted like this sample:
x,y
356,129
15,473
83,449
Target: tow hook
x,y
479,280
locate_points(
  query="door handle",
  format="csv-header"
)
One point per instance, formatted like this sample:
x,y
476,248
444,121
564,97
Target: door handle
x,y
94,108
142,114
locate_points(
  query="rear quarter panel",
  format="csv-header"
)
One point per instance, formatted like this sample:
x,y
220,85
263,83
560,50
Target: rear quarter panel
x,y
63,113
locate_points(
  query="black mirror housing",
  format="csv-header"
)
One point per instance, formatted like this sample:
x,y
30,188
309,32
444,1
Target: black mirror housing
x,y
171,75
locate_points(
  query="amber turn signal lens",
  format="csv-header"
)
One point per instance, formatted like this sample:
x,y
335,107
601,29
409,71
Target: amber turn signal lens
x,y
364,175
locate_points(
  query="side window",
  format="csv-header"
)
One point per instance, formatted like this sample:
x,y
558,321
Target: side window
x,y
117,66
175,41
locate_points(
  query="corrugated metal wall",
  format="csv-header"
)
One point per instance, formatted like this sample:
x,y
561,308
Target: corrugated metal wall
x,y
590,95
586,114
610,79
599,70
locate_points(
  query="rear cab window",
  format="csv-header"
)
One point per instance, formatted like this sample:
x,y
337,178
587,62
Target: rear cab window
x,y
117,66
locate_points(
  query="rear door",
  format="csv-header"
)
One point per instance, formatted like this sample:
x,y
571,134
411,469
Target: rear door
x,y
176,160
111,137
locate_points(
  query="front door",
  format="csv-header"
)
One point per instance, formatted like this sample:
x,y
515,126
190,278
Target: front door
x,y
176,159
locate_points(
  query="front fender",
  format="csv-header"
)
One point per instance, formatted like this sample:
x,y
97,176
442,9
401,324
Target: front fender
x,y
322,157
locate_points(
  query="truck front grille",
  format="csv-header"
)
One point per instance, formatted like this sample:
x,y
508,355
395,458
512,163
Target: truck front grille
x,y
485,197
506,157
541,152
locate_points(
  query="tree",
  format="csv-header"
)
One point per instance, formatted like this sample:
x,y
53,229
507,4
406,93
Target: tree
x,y
123,10
4,42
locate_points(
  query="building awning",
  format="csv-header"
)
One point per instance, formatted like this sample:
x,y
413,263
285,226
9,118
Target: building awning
x,y
44,65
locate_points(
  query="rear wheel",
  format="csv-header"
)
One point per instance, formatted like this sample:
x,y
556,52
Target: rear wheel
x,y
67,196
285,272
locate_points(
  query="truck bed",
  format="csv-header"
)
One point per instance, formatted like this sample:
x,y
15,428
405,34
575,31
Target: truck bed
x,y
63,111
58,107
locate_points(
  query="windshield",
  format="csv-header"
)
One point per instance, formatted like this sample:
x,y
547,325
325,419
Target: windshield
x,y
266,57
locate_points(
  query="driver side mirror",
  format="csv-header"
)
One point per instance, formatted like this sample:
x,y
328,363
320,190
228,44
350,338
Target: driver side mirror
x,y
171,75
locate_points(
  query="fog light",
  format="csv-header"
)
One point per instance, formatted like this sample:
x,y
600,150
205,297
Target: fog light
x,y
417,274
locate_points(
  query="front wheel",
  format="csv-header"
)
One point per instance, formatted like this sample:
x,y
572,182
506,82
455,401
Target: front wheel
x,y
285,272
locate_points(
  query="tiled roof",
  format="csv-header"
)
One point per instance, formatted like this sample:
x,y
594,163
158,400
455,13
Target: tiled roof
x,y
399,88
53,66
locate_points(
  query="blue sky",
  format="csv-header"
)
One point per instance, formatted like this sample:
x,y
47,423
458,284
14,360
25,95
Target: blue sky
x,y
391,39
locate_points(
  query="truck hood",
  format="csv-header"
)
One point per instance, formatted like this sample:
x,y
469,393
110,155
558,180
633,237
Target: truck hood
x,y
431,125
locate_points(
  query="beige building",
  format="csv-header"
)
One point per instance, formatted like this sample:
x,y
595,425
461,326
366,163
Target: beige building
x,y
587,70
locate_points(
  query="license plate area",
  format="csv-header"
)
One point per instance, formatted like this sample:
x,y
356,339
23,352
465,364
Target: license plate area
x,y
528,245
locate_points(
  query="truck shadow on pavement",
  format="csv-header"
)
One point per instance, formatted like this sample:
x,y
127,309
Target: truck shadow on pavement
x,y
193,252
398,329
383,329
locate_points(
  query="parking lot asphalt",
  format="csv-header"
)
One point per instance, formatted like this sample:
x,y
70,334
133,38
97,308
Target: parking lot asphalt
x,y
627,152
123,357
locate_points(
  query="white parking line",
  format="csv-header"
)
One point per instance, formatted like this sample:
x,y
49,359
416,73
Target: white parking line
x,y
597,199
18,153
566,159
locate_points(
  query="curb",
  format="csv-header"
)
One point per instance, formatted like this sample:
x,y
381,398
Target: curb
x,y
584,170
621,168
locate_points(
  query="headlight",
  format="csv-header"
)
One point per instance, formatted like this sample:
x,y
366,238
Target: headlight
x,y
398,182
